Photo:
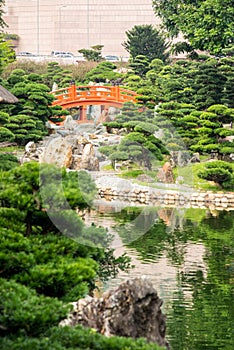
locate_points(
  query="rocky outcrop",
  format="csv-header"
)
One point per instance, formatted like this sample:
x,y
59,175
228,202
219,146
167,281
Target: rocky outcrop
x,y
32,151
133,309
165,174
74,152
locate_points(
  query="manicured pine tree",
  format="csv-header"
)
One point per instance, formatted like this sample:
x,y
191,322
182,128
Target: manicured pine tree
x,y
209,84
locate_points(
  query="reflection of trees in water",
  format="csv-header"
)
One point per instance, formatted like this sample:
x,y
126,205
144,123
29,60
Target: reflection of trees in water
x,y
148,232
208,324
166,231
135,222
200,315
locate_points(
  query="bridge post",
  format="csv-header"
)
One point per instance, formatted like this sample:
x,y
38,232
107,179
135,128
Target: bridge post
x,y
72,91
117,93
83,113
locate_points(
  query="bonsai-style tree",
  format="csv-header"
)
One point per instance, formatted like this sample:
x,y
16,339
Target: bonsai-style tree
x,y
140,146
103,72
93,54
140,65
35,99
209,83
220,172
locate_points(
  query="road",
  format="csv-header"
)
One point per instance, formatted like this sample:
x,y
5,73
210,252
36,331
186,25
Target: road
x,y
48,58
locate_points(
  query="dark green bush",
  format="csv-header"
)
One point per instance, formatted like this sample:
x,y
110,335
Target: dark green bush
x,y
78,338
8,161
22,311
220,172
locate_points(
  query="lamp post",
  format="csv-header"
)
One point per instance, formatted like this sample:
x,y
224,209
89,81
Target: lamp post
x,y
60,22
38,27
87,23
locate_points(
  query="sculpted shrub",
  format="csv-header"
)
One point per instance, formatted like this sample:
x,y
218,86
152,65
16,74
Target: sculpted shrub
x,y
220,172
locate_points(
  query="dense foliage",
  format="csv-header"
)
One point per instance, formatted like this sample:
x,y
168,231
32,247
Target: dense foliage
x,y
200,131
7,54
2,3
206,25
92,54
219,172
102,73
8,161
49,258
147,41
26,120
77,338
138,144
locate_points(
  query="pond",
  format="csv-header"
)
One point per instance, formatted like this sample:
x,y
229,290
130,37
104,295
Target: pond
x,y
188,254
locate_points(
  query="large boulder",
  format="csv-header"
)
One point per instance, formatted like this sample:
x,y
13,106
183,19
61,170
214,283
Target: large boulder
x,y
133,309
74,152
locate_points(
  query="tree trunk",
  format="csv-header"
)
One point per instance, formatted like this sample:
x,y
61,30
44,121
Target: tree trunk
x,y
28,221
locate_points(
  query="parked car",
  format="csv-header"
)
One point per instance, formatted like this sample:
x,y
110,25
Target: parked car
x,y
64,55
61,54
111,58
24,53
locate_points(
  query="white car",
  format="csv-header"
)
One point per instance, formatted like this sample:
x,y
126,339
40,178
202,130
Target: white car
x,y
64,55
111,58
61,54
25,54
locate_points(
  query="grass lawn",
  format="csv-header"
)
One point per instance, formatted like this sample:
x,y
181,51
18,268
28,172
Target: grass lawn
x,y
190,175
12,149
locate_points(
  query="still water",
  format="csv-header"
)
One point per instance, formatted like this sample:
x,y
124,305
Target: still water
x,y
188,254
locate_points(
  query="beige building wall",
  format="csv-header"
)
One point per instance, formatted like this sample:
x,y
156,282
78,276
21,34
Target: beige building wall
x,y
70,25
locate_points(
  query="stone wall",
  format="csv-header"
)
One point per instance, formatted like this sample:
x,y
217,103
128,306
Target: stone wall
x,y
152,196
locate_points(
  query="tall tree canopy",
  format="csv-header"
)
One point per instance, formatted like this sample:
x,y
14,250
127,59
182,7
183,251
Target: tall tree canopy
x,y
2,23
206,24
146,40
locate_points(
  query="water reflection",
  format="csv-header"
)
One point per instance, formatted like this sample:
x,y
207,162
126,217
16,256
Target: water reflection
x,y
189,256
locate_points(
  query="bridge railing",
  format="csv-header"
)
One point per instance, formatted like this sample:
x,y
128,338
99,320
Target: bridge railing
x,y
93,92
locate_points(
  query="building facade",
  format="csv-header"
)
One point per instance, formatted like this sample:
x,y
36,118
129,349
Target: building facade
x,y
70,25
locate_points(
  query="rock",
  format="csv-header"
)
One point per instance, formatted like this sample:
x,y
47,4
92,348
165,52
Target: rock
x,y
145,178
93,136
195,158
58,151
165,174
133,309
100,129
72,152
69,123
30,147
88,159
85,128
32,152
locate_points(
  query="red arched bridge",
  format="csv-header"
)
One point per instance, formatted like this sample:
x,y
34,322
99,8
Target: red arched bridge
x,y
84,96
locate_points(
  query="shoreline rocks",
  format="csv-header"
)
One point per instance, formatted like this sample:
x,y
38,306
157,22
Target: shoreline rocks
x,y
133,309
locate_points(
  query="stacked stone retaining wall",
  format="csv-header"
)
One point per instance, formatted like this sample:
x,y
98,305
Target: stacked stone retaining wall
x,y
151,196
